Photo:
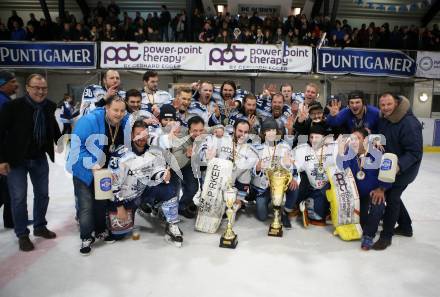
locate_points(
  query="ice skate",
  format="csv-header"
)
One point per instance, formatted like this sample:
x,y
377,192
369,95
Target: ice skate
x,y
173,235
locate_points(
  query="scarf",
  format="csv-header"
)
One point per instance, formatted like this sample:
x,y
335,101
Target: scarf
x,y
39,132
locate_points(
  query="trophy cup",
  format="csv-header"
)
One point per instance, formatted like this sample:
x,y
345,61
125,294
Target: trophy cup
x,y
279,179
229,238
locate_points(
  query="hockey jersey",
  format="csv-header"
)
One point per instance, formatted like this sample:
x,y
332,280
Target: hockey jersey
x,y
206,112
238,114
272,156
244,159
159,98
308,160
91,95
131,173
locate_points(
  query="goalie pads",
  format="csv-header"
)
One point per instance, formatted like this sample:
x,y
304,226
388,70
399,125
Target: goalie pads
x,y
212,205
344,203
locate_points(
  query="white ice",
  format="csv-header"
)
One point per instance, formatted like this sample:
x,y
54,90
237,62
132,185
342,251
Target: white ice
x,y
304,262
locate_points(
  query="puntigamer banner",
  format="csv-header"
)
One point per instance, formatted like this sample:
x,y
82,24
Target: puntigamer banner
x,y
365,62
78,55
206,57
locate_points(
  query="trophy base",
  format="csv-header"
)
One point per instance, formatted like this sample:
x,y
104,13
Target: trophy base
x,y
228,243
275,232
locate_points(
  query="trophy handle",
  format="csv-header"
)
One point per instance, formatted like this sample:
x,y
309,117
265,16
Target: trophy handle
x,y
289,180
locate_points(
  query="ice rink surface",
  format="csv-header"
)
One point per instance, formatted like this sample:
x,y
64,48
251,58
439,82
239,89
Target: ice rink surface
x,y
304,262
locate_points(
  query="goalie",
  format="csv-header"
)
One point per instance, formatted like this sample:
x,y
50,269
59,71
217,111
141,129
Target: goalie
x,y
355,154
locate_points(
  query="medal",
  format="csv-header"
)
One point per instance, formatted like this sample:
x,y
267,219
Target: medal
x,y
320,169
112,148
360,175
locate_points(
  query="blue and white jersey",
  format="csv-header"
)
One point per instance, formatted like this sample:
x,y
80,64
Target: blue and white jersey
x,y
270,156
217,95
299,96
243,155
309,161
264,105
281,120
93,94
238,114
131,173
159,98
206,112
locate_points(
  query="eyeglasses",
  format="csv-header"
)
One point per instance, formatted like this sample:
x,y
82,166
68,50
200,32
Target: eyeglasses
x,y
44,89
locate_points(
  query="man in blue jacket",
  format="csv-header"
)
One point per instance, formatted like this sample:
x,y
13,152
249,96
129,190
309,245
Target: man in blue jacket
x,y
357,115
8,87
403,135
94,138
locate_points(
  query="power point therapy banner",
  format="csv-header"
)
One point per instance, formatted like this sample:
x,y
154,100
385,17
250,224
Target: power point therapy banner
x,y
206,57
50,55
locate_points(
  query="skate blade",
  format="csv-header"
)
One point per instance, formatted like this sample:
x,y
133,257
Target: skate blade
x,y
172,242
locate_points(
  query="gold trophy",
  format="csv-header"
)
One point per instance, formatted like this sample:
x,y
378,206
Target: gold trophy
x,y
279,180
229,238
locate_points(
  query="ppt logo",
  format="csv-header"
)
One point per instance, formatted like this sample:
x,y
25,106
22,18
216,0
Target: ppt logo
x,y
227,55
121,54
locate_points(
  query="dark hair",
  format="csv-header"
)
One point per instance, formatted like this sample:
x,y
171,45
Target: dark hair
x,y
110,100
139,124
362,131
132,93
278,95
195,120
149,74
395,96
246,98
241,121
232,84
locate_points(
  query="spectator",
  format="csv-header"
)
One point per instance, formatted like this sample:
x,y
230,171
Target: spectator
x,y
4,32
100,10
255,20
165,19
31,35
278,38
14,18
109,33
363,36
395,38
223,37
17,33
113,8
372,37
196,25
29,127
67,34
33,21
207,35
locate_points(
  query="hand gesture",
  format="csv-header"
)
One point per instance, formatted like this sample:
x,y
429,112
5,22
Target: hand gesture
x,y
303,113
217,111
188,152
252,119
113,90
155,110
289,124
